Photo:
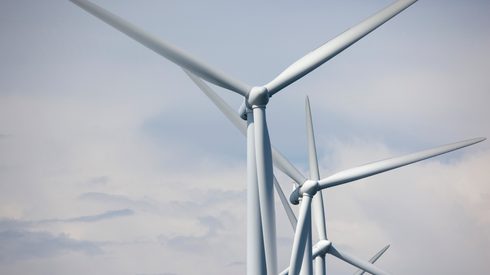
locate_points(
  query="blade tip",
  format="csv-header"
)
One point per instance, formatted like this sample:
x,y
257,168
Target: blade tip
x,y
479,139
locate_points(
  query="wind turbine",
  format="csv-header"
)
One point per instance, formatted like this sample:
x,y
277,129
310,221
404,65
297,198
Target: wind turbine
x,y
320,249
301,255
261,238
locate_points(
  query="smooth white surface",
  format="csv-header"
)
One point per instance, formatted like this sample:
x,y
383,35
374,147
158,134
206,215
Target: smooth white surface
x,y
168,51
389,164
318,210
263,157
300,235
374,259
333,47
256,261
367,266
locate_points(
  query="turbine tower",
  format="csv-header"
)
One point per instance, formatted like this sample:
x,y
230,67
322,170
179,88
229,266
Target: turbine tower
x,y
261,226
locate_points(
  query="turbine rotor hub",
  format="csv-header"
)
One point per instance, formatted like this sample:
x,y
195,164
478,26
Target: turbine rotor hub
x,y
257,97
321,247
309,187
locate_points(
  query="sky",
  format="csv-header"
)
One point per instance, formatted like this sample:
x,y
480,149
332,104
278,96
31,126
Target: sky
x,y
113,162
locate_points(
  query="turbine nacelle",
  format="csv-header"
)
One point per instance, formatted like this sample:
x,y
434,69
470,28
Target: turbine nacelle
x,y
308,188
257,97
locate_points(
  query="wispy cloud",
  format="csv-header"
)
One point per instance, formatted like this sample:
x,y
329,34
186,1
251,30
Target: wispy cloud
x,y
94,218
19,240
13,223
87,111
21,244
195,243
120,200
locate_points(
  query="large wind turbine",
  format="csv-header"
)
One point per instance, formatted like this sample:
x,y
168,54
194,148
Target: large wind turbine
x,y
261,242
310,188
311,196
261,246
302,243
319,251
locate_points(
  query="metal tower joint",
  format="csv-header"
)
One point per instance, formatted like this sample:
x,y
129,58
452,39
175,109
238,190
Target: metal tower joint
x,y
258,97
308,188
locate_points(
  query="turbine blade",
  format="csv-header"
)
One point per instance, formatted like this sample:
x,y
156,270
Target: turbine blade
x,y
373,259
300,235
283,164
366,266
318,208
263,156
280,161
220,103
379,254
389,164
318,212
330,49
285,204
312,155
164,49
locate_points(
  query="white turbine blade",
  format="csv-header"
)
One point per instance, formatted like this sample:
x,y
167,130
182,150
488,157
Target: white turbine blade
x,y
318,208
330,49
263,156
389,164
379,254
300,235
280,161
220,103
285,204
373,259
366,266
283,164
312,155
168,51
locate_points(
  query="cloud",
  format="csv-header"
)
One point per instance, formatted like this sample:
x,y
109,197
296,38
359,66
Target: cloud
x,y
97,181
199,243
236,263
198,201
20,241
95,218
16,245
416,209
13,223
91,120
